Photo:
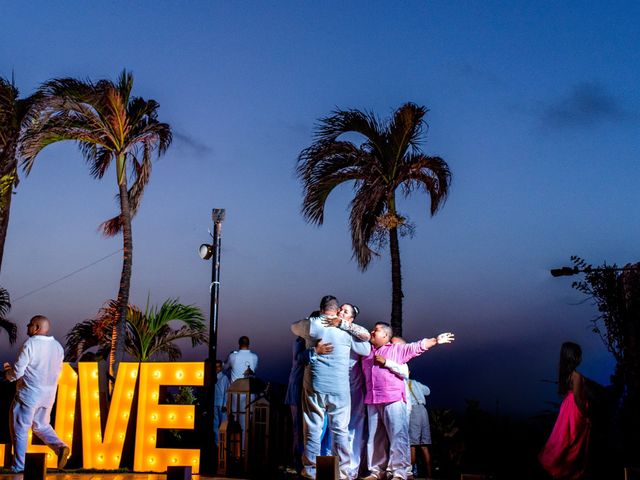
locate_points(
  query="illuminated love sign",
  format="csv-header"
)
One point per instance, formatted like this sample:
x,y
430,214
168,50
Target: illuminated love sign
x,y
103,450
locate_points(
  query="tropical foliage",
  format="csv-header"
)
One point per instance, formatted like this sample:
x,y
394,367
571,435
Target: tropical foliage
x,y
615,292
110,126
7,325
13,113
388,159
149,333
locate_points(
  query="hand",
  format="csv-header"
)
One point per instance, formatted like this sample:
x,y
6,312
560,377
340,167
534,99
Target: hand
x,y
445,338
323,348
332,321
380,360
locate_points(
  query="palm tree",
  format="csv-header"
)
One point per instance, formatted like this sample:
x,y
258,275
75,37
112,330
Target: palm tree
x,y
7,325
13,112
110,125
389,158
149,333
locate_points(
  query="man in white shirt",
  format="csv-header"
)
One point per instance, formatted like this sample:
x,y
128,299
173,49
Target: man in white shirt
x,y
242,362
36,371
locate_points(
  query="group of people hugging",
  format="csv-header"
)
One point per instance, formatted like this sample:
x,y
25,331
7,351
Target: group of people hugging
x,y
348,393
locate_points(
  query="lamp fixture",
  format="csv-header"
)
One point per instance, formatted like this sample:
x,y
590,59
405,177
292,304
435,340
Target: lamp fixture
x,y
205,251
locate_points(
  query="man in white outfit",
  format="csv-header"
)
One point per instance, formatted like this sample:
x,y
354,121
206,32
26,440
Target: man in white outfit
x,y
36,371
242,362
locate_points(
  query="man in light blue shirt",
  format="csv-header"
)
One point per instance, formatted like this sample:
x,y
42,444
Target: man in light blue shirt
x,y
326,388
220,399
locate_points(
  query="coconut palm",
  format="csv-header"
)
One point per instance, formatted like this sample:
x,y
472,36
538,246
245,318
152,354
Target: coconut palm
x,y
389,158
7,325
149,332
110,126
13,112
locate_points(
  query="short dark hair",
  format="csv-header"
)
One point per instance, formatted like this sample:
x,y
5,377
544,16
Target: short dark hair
x,y
243,341
387,328
328,301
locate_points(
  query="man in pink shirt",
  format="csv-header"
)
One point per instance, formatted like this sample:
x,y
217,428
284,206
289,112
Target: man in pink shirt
x,y
388,442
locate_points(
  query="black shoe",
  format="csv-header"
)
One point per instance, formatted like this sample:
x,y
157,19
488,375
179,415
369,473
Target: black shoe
x,y
63,456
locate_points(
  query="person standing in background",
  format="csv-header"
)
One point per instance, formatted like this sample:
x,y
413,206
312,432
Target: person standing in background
x,y
220,399
419,428
242,362
565,453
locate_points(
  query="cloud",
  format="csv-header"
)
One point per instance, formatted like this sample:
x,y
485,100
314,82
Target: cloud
x,y
587,104
468,71
185,141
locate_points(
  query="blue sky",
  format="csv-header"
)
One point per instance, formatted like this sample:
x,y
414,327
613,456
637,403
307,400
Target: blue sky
x,y
534,105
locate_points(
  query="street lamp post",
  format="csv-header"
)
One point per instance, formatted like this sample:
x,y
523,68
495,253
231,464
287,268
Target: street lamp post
x,y
207,251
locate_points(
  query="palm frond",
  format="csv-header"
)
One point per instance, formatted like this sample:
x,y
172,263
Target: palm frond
x,y
11,329
431,174
5,302
405,129
7,325
351,121
111,227
367,205
82,337
325,166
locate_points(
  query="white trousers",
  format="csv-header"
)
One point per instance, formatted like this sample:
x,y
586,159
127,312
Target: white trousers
x,y
337,408
388,444
23,418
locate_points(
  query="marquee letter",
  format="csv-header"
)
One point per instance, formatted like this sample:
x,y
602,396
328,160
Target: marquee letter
x,y
98,451
152,416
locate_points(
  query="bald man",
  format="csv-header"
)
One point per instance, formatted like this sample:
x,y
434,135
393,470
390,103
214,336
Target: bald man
x,y
36,370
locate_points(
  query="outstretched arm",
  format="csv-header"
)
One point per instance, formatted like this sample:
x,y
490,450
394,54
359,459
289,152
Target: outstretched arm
x,y
441,339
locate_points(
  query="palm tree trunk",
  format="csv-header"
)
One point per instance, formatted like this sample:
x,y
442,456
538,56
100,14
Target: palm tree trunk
x,y
119,330
7,181
396,283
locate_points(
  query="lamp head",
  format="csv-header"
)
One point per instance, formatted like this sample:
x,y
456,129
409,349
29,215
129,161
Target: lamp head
x,y
205,251
217,215
564,271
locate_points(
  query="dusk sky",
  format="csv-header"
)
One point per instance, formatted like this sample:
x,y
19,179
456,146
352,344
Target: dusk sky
x,y
534,105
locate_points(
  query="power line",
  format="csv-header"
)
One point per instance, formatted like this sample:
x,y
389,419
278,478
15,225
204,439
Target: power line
x,y
66,276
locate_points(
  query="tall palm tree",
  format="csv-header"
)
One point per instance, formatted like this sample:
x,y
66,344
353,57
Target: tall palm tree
x,y
388,158
7,325
13,112
149,332
110,126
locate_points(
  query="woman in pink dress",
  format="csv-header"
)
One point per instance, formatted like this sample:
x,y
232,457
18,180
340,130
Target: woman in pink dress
x,y
565,454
